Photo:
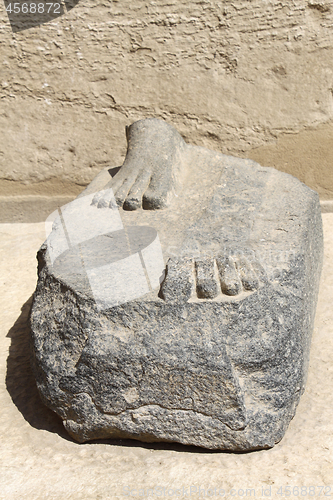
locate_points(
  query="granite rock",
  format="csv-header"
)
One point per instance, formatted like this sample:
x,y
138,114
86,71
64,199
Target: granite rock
x,y
211,351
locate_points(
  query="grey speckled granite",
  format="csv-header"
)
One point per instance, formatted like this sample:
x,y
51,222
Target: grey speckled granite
x,y
217,355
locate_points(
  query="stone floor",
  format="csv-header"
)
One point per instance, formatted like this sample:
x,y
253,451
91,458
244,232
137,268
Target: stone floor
x,y
39,461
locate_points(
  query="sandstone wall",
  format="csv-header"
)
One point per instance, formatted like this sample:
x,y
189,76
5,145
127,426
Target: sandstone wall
x,y
246,77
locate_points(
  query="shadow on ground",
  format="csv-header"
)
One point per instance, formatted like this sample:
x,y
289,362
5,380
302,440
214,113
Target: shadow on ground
x,y
21,385
20,381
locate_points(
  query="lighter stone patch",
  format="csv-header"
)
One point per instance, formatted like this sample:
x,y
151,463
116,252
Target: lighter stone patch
x,y
131,395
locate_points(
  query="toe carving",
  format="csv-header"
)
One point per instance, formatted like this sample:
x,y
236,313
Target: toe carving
x,y
134,198
247,275
229,279
206,284
152,168
210,278
178,282
104,199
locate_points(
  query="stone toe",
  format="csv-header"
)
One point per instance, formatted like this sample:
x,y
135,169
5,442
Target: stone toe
x,y
206,284
230,281
123,191
178,282
158,193
105,198
247,275
134,198
96,199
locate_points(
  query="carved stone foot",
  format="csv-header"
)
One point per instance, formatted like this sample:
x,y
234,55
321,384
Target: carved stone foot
x,y
152,169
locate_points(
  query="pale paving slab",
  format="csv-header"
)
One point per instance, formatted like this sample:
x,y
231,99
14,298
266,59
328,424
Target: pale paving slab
x,y
39,461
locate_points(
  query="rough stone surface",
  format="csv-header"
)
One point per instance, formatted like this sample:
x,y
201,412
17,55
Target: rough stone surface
x,y
229,75
39,460
217,356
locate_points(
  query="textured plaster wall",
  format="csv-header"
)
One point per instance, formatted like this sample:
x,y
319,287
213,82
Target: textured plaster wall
x,y
233,75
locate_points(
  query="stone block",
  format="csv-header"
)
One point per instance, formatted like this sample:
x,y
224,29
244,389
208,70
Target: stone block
x,y
176,298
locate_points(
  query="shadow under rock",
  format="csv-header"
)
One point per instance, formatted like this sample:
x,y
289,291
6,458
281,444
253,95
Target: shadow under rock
x,y
168,446
163,446
20,381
